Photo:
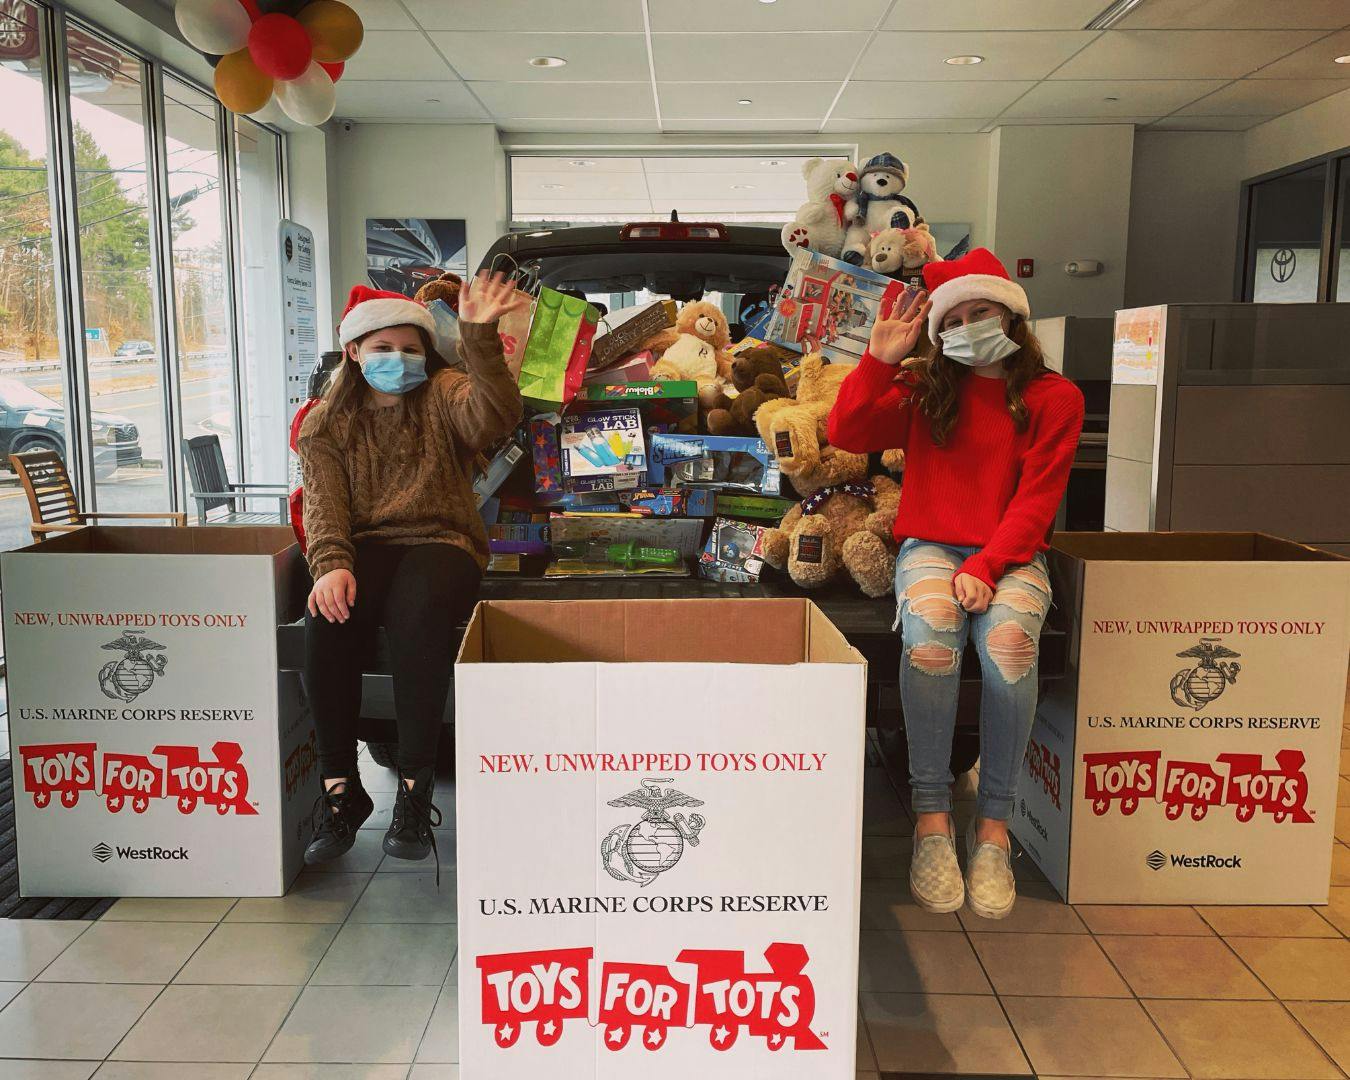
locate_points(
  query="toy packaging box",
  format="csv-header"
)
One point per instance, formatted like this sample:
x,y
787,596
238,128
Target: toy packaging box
x,y
673,502
769,508
636,367
613,346
602,450
501,465
722,462
667,405
734,552
682,534
829,301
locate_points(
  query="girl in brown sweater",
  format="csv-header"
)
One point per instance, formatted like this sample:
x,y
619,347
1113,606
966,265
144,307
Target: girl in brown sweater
x,y
395,539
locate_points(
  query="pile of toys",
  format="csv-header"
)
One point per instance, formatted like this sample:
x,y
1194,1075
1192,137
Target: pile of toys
x,y
683,452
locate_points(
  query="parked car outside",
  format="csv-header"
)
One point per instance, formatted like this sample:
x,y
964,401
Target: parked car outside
x,y
30,420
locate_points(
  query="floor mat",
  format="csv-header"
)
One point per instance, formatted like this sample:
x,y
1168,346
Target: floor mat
x,y
14,906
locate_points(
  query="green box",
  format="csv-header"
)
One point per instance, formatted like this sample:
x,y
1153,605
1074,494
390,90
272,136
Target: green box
x,y
756,507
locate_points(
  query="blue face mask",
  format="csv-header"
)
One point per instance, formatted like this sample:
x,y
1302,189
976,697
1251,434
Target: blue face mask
x,y
394,372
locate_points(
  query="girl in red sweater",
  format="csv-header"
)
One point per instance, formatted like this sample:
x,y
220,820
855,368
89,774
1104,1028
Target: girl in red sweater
x,y
989,434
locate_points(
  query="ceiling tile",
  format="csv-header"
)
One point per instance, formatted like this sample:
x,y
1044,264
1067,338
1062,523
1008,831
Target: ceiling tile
x,y
1006,56
590,57
567,100
928,100
372,100
741,15
1315,61
1236,15
1264,97
1077,121
577,124
1135,97
713,57
846,126
769,101
396,56
382,14
984,15
1206,123
600,16
801,125
1181,54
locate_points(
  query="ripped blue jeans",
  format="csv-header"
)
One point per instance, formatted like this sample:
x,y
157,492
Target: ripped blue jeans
x,y
934,629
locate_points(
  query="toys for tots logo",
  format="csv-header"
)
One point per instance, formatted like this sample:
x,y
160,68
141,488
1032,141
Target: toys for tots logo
x,y
551,987
1043,768
1127,778
179,773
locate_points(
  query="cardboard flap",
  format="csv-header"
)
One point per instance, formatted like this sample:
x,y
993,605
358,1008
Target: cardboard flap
x,y
748,631
267,540
1186,547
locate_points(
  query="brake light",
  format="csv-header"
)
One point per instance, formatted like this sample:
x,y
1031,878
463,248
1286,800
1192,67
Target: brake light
x,y
673,230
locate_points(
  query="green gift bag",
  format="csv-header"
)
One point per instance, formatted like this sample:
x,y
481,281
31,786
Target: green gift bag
x,y
557,350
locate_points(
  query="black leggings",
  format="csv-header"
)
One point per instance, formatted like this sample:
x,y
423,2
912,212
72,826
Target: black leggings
x,y
419,594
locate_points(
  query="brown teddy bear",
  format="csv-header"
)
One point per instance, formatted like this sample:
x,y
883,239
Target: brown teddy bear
x,y
706,322
446,287
757,373
843,523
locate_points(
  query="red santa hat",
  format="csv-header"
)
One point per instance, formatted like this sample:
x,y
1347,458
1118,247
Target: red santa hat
x,y
976,275
375,309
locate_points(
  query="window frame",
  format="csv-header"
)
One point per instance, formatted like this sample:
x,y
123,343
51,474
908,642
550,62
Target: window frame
x,y
1337,165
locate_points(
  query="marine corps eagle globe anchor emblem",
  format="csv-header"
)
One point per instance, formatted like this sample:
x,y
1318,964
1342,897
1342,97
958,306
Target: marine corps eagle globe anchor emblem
x,y
642,851
131,676
1197,686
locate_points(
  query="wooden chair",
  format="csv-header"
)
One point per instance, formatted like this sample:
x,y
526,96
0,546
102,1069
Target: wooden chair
x,y
211,488
51,497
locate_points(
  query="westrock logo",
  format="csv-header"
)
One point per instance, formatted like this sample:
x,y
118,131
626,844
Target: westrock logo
x,y
131,676
1195,687
67,770
1128,777
102,852
551,987
1157,860
642,851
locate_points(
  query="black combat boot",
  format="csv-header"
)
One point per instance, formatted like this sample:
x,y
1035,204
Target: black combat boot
x,y
338,813
410,833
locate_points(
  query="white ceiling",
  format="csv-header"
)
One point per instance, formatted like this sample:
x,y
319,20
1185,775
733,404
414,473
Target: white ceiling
x,y
848,66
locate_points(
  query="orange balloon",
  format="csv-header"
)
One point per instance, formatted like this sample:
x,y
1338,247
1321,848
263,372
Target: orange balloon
x,y
334,29
241,87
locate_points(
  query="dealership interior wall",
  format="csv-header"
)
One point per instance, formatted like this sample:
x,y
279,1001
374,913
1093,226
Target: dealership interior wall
x,y
1159,208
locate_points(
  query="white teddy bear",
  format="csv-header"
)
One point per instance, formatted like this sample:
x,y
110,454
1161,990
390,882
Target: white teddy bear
x,y
821,223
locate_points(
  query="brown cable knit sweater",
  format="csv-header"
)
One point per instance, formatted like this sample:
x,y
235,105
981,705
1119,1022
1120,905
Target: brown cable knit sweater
x,y
377,481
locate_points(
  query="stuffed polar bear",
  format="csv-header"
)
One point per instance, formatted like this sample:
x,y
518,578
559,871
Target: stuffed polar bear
x,y
820,223
879,204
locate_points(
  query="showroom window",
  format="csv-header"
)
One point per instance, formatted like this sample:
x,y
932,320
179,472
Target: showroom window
x,y
1295,233
137,217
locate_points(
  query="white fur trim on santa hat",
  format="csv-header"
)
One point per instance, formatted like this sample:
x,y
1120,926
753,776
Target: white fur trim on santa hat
x,y
383,312
975,287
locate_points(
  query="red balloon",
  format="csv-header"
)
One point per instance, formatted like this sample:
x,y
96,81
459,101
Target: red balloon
x,y
251,6
280,47
335,69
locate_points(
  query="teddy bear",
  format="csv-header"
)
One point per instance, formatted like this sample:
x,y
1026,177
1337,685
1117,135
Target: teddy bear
x,y
695,360
446,287
843,525
757,375
902,253
879,204
820,223
702,319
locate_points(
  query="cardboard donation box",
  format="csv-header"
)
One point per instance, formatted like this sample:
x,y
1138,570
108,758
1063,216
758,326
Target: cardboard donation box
x,y
658,849
1190,753
157,750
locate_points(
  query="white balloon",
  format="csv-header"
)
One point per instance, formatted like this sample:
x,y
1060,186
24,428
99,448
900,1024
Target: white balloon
x,y
218,27
310,99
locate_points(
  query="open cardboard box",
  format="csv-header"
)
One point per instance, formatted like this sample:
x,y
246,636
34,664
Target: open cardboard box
x,y
157,749
666,796
1190,753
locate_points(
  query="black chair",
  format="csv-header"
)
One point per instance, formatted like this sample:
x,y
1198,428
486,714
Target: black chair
x,y
211,488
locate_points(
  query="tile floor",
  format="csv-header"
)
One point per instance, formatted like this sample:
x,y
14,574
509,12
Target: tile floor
x,y
357,965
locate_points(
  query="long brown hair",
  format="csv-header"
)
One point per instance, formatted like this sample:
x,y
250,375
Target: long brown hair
x,y
940,380
348,390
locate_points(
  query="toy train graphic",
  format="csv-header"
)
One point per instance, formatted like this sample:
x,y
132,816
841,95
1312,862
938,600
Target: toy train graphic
x,y
551,988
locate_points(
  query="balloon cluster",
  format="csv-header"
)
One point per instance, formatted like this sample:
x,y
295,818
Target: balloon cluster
x,y
293,48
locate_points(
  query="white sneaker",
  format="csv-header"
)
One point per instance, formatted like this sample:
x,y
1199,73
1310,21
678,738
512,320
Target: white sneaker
x,y
935,875
991,889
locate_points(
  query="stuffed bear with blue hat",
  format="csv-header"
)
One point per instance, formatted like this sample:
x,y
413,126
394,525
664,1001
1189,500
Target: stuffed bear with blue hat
x,y
879,204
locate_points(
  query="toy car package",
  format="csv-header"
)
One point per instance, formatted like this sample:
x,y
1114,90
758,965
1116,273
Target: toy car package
x,y
720,462
734,552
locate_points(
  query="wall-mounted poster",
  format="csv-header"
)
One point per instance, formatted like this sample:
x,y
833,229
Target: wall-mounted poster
x,y
403,254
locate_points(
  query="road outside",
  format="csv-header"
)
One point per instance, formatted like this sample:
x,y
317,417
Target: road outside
x,y
133,390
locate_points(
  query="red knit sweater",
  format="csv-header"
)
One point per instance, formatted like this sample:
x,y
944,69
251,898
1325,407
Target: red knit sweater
x,y
991,487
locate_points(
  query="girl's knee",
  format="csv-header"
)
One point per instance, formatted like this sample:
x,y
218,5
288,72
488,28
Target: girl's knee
x,y
933,658
1012,648
927,592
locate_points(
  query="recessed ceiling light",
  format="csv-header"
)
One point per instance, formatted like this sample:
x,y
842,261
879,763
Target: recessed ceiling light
x,y
552,187
581,163
1110,99
773,163
962,61
547,61
745,101
1342,59
742,187
433,101
768,1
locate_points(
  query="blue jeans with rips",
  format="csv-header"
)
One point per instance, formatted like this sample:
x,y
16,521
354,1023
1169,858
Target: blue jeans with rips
x,y
934,629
